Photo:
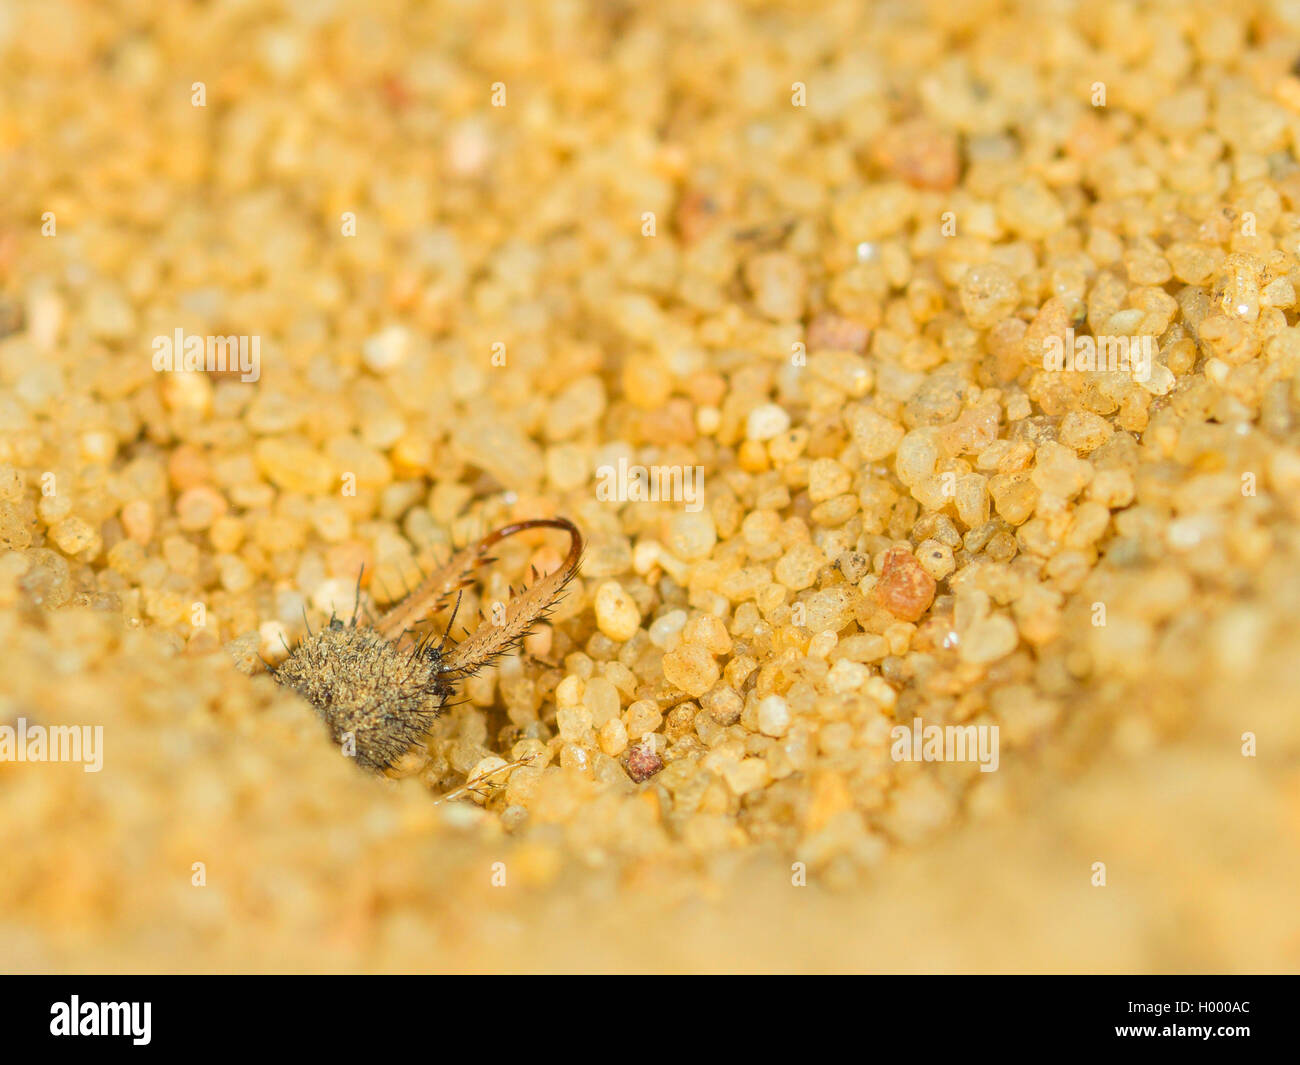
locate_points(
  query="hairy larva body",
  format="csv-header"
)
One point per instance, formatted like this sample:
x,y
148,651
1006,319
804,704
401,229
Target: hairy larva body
x,y
379,688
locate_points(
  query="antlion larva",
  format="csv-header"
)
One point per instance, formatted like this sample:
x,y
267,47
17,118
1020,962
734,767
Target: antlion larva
x,y
383,685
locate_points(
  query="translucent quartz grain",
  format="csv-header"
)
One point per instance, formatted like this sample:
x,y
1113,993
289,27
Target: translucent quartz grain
x,y
988,292
600,698
876,437
766,421
773,716
616,612
691,668
641,717
691,535
73,535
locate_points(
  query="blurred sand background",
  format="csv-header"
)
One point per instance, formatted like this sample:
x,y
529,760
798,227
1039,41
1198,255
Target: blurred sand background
x,y
775,224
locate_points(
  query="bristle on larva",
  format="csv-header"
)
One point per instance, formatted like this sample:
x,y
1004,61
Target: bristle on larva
x,y
379,688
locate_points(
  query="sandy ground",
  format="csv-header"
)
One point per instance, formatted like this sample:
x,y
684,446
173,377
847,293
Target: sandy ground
x,y
488,255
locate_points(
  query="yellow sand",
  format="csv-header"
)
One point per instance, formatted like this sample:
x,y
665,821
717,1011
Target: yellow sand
x,y
818,252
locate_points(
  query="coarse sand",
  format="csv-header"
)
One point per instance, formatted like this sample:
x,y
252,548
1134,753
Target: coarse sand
x,y
907,366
